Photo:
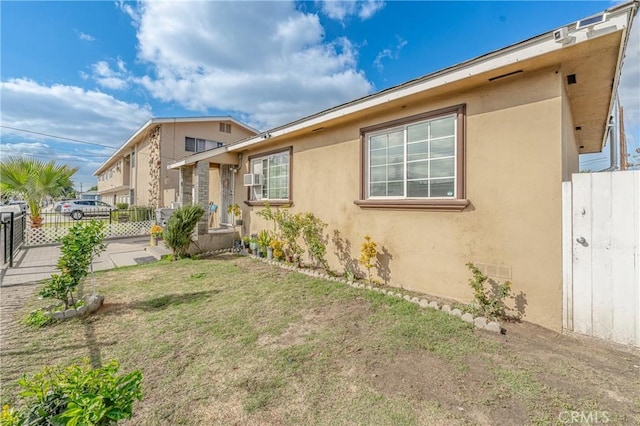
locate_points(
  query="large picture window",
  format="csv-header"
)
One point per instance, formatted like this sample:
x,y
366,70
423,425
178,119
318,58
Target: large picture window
x,y
274,170
415,162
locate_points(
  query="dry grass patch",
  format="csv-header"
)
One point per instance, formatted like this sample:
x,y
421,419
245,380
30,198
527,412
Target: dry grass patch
x,y
230,340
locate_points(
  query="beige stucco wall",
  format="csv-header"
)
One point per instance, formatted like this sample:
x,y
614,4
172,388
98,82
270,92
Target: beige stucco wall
x,y
514,170
140,181
172,147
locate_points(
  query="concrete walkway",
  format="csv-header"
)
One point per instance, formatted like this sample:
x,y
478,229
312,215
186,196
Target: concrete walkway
x,y
37,263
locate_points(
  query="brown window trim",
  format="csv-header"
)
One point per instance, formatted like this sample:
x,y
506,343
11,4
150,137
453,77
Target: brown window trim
x,y
454,204
413,204
272,203
251,202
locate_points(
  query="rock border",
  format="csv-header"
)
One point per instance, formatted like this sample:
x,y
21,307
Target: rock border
x,y
481,323
92,304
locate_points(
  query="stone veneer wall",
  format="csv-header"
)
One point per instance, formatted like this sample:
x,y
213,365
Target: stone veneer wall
x,y
186,185
201,182
154,168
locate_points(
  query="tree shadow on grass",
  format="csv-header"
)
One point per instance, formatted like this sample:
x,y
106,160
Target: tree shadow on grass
x,y
156,303
165,301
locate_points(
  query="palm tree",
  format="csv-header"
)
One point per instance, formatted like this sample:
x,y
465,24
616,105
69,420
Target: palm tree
x,y
34,180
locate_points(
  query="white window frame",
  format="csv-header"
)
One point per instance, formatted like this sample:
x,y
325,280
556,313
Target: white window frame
x,y
404,128
256,165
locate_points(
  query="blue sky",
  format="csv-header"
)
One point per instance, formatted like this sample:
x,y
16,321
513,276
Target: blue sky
x,y
96,71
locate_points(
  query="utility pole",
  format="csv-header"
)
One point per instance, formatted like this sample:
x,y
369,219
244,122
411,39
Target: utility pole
x,y
623,140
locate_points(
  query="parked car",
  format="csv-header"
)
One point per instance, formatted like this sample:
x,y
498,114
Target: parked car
x,y
77,209
22,204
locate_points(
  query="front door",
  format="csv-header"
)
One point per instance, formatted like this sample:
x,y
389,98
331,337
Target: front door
x,y
226,193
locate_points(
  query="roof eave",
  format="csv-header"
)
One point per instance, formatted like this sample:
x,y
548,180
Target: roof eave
x,y
620,15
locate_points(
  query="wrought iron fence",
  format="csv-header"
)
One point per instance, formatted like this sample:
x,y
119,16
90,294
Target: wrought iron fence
x,y
12,235
133,221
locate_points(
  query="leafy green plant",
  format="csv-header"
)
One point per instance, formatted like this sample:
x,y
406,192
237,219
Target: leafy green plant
x,y
290,227
234,209
264,239
269,215
368,253
312,234
349,274
9,416
78,395
278,250
180,226
37,319
489,302
122,206
80,245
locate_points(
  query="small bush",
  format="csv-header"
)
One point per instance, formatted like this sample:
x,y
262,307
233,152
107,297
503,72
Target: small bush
x,y
180,226
140,213
80,245
77,395
488,302
312,234
122,206
368,253
37,319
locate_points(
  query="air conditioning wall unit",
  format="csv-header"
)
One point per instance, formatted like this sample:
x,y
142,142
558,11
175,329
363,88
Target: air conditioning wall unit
x,y
252,179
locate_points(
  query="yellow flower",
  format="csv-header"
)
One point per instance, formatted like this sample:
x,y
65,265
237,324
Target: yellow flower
x,y
156,230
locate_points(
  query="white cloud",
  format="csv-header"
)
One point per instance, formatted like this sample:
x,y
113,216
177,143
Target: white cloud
x,y
340,10
369,8
129,10
70,112
227,56
630,87
389,53
106,77
85,36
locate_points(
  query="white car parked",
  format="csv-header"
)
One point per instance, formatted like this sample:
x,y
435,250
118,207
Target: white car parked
x,y
77,209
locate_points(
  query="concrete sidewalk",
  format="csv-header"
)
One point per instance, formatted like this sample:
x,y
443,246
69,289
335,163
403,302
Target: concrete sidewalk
x,y
36,263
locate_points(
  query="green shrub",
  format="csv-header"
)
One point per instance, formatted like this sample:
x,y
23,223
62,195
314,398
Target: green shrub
x,y
122,206
312,234
37,319
78,395
180,226
140,213
80,245
488,302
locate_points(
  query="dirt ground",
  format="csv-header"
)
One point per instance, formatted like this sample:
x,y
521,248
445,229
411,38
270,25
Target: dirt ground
x,y
236,341
568,378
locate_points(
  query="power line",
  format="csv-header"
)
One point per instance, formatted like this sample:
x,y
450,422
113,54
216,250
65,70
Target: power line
x,y
57,153
48,157
59,137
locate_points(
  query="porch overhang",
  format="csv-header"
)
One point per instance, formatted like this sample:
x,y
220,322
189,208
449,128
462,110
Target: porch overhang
x,y
115,189
224,157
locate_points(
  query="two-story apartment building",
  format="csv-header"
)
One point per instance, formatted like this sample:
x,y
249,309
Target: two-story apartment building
x,y
137,172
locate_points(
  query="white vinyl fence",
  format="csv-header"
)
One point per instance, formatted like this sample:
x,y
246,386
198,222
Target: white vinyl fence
x,y
601,240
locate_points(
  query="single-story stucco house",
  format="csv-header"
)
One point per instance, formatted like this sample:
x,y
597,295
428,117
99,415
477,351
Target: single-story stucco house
x,y
462,165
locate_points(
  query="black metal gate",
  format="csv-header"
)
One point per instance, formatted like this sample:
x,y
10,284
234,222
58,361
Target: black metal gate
x,y
11,235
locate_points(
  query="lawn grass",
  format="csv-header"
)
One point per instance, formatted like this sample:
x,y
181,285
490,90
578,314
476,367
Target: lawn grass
x,y
230,340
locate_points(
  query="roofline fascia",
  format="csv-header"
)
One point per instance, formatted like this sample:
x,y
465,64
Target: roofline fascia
x,y
163,120
527,49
